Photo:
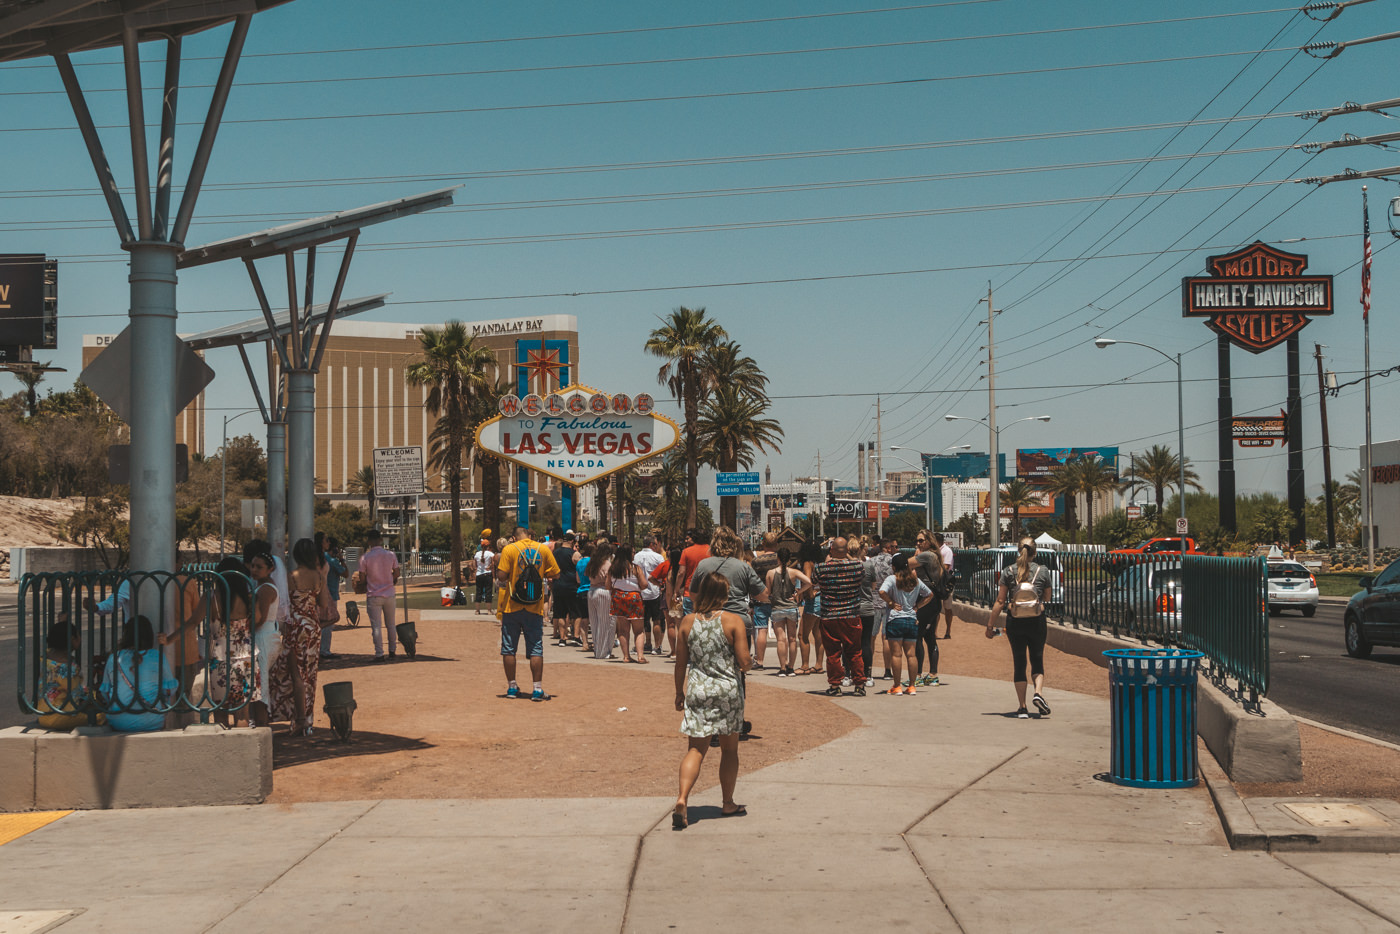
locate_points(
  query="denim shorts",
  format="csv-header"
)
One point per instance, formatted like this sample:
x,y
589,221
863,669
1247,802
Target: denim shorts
x,y
786,615
762,613
522,622
686,606
812,606
902,627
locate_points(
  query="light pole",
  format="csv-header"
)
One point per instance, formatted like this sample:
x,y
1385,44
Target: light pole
x,y
223,476
993,475
928,477
1103,342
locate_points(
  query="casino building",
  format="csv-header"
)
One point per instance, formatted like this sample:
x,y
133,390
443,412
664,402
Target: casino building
x,y
363,401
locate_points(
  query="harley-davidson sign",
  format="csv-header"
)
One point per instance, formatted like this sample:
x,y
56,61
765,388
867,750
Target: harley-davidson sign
x,y
1257,297
578,435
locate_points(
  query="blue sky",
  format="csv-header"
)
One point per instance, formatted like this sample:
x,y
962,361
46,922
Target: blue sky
x,y
836,185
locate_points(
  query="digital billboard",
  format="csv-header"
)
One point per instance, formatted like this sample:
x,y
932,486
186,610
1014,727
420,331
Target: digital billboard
x,y
28,301
1035,465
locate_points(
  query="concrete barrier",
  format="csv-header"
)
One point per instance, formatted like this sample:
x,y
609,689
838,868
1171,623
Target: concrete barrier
x,y
98,768
1260,746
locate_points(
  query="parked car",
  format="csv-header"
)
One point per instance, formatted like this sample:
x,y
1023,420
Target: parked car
x,y
1291,586
986,581
1373,615
1143,598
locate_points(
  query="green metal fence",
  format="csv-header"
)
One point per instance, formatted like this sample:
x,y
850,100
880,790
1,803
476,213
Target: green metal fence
x,y
1215,605
1227,618
85,652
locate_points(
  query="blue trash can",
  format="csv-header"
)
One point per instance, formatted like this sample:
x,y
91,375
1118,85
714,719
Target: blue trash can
x,y
1152,699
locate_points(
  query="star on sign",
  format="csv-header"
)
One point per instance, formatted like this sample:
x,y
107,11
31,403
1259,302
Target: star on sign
x,y
543,364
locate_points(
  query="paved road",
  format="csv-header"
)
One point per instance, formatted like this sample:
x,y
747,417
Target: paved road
x,y
1312,676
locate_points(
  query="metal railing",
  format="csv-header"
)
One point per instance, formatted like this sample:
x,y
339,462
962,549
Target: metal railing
x,y
1228,619
114,667
1216,605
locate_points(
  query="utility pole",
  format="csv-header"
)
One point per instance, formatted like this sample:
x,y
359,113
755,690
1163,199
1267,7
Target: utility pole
x,y
821,494
879,473
1326,451
993,475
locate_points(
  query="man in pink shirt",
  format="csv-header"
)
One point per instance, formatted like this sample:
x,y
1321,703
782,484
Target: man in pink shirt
x,y
381,569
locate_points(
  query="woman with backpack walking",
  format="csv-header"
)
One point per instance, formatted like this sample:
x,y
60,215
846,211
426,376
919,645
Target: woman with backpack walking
x,y
1022,594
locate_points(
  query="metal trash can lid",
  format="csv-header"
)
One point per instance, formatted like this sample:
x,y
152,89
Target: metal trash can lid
x,y
1153,653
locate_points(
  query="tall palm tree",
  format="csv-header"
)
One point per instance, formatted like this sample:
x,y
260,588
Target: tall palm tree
x,y
454,368
683,340
1095,477
1159,469
726,364
732,427
1064,481
602,500
31,375
361,483
484,407
1017,495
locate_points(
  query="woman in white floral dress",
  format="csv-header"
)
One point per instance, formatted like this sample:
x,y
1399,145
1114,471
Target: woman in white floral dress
x,y
712,653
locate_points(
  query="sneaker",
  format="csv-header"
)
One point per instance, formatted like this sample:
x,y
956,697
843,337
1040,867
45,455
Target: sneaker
x,y
846,682
834,691
933,681
860,690
538,695
910,691
381,658
1040,705
895,690
1023,714
924,681
513,691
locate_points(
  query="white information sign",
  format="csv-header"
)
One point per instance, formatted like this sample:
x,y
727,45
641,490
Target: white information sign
x,y
596,435
398,471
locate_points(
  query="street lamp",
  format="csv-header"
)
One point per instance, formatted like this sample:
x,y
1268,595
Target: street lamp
x,y
993,475
928,477
1101,343
223,476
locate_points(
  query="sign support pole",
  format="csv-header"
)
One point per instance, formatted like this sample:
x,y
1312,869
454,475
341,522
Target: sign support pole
x,y
1225,414
1297,500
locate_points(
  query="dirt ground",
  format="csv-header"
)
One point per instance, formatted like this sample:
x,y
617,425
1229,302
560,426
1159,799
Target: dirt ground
x,y
440,726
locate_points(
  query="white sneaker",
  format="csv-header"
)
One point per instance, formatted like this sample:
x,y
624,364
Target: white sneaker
x,y
845,682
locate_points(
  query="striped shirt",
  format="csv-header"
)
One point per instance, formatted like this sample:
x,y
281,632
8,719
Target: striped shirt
x,y
839,582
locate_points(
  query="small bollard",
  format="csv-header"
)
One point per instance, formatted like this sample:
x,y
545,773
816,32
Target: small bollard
x,y
340,707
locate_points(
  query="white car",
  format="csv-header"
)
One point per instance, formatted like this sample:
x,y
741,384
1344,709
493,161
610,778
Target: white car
x,y
986,581
1291,586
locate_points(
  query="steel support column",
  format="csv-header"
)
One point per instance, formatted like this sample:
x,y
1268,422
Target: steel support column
x,y
153,346
301,455
277,486
1224,415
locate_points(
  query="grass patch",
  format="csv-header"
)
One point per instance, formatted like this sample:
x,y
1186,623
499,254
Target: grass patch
x,y
1340,584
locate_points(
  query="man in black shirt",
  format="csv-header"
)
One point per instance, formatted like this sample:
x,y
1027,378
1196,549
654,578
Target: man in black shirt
x,y
565,591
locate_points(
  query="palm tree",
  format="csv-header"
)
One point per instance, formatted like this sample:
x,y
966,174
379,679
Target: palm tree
x,y
669,483
1095,477
682,341
1064,481
31,375
1157,470
453,368
732,428
1017,495
725,365
484,407
362,484
602,500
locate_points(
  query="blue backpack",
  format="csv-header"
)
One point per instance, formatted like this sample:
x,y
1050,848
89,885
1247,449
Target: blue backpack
x,y
529,582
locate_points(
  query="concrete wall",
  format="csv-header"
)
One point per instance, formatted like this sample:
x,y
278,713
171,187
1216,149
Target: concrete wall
x,y
87,769
1251,746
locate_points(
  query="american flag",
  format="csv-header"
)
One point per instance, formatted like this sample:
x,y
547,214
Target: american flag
x,y
1366,261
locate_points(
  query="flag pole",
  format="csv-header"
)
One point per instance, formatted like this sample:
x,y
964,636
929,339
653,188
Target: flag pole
x,y
1366,321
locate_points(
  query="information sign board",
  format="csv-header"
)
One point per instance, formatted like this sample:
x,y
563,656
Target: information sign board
x,y
398,471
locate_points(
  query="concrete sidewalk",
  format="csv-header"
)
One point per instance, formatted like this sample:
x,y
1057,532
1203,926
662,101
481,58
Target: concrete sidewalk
x,y
941,813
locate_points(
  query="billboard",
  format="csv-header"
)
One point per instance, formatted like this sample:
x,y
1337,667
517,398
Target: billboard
x,y
1045,506
1035,465
1260,432
28,301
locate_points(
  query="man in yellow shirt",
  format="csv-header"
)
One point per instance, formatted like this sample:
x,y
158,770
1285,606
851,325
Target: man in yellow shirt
x,y
523,615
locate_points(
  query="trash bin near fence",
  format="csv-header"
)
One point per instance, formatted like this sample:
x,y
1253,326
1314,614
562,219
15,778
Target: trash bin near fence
x,y
1152,699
